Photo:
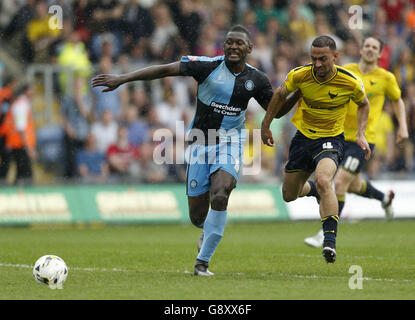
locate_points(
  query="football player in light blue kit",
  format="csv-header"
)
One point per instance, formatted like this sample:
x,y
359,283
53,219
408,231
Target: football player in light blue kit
x,y
216,136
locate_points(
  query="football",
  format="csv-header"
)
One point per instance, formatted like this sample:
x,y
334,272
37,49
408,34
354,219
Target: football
x,y
50,270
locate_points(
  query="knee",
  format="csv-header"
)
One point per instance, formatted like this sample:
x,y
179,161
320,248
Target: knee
x,y
220,197
288,195
219,201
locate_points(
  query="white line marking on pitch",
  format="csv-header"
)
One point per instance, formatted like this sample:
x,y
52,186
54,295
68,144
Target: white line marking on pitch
x,y
300,276
26,266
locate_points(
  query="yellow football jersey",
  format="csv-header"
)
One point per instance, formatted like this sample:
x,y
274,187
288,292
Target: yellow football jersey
x,y
379,83
384,127
323,108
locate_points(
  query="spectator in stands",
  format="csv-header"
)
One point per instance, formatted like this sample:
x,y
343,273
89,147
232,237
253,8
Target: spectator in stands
x,y
91,164
169,112
137,20
394,10
150,172
351,52
105,45
282,67
131,34
75,112
6,97
164,30
138,57
138,131
141,100
275,34
404,69
8,9
302,24
286,50
39,34
107,48
109,100
81,20
20,136
105,15
395,41
263,53
105,131
385,58
153,120
123,156
188,21
20,18
322,26
249,22
222,22
209,38
105,19
15,31
380,23
72,57
266,10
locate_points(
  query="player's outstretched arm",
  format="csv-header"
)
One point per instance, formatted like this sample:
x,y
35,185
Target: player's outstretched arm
x,y
362,116
274,106
112,81
289,103
400,113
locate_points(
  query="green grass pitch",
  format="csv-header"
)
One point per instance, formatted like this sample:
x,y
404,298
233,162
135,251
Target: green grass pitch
x,y
266,261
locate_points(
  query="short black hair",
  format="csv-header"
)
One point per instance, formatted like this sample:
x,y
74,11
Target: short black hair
x,y
376,38
242,29
324,41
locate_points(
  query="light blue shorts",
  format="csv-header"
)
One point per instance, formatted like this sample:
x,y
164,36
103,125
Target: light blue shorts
x,y
205,160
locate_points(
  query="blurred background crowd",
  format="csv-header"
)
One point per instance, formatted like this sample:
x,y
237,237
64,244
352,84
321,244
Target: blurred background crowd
x,y
75,133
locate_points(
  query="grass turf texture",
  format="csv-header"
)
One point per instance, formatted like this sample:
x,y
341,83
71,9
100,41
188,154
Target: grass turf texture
x,y
254,261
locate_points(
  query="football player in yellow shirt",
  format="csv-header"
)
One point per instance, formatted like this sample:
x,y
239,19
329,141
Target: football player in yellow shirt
x,y
379,83
317,146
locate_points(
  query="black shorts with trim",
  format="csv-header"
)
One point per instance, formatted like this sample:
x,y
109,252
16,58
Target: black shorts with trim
x,y
354,157
305,153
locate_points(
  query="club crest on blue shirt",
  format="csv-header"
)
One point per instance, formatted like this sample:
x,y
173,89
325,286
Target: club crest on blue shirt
x,y
193,183
249,85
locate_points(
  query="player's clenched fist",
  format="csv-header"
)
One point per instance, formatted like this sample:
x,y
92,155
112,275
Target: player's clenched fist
x,y
266,135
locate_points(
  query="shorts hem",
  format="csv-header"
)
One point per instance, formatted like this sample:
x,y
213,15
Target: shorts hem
x,y
349,171
228,171
196,193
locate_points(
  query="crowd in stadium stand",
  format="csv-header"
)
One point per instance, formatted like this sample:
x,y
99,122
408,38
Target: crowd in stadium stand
x,y
110,136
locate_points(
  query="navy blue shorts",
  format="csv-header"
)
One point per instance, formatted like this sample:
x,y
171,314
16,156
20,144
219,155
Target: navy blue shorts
x,y
305,153
354,157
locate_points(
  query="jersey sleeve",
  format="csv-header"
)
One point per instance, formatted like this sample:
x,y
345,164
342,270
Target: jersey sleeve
x,y
289,82
264,94
198,67
359,91
393,92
